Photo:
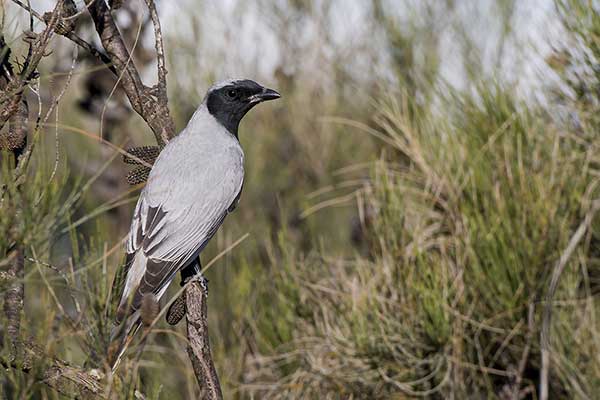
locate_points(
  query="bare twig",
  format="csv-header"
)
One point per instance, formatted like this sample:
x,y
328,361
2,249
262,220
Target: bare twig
x,y
13,302
556,273
74,38
13,90
150,106
160,53
68,380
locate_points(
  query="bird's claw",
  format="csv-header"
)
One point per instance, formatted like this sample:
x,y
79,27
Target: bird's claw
x,y
204,284
198,277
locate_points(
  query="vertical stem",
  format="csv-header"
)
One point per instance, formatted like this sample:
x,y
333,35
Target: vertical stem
x,y
16,141
13,302
199,346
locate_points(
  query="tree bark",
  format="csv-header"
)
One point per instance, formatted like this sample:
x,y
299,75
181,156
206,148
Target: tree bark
x,y
199,346
13,302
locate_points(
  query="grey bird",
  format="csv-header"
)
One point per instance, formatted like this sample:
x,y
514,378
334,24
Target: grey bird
x,y
194,183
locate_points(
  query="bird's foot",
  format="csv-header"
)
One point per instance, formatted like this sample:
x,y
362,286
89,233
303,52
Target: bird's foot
x,y
193,271
198,277
204,284
177,309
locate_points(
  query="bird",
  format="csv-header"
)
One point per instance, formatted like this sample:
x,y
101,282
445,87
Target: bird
x,y
195,182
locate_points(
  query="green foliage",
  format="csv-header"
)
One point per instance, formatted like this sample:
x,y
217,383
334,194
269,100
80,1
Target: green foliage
x,y
468,212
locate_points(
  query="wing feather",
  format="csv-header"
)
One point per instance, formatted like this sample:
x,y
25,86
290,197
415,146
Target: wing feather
x,y
173,223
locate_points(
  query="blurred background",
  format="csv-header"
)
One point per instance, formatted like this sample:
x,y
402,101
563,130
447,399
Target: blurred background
x,y
405,202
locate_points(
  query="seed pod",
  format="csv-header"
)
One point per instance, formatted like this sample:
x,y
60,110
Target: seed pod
x,y
138,175
64,25
15,137
176,311
147,154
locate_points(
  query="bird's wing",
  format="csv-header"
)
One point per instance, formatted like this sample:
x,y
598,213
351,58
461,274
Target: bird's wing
x,y
176,216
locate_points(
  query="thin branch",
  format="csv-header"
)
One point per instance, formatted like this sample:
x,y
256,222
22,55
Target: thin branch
x,y
83,10
68,380
160,53
90,48
154,111
13,301
117,52
41,43
119,79
13,91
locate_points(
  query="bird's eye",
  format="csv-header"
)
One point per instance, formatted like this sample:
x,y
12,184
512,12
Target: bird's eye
x,y
232,93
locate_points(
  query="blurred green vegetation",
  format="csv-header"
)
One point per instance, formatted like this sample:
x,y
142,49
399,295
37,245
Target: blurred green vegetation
x,y
402,228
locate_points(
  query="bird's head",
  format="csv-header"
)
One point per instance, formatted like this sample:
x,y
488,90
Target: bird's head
x,y
230,100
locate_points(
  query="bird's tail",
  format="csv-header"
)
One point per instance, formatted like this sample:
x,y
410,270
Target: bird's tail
x,y
120,338
125,325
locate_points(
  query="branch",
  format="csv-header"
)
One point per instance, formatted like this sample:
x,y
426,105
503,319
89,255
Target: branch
x,y
17,111
154,110
199,345
14,84
160,53
13,301
70,381
14,139
74,38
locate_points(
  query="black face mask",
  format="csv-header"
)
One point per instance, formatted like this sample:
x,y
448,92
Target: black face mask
x,y
230,103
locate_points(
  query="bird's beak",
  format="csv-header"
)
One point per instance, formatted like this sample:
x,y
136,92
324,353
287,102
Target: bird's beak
x,y
266,94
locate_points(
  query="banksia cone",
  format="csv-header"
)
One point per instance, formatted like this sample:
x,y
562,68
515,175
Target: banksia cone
x,y
176,311
139,156
147,154
138,175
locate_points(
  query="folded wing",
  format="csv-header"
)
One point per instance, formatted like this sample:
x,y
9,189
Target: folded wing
x,y
177,215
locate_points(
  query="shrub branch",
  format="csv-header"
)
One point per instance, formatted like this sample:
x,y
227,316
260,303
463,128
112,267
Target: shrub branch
x,y
150,104
199,345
